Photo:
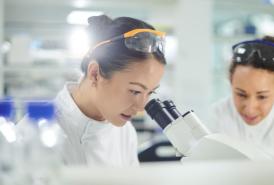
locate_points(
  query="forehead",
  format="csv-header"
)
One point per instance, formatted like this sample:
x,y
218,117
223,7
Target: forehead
x,y
148,72
253,79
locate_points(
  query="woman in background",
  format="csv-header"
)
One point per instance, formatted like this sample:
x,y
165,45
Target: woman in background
x,y
248,115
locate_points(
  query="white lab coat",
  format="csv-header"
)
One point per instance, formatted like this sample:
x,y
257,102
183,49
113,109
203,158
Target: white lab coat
x,y
226,119
91,142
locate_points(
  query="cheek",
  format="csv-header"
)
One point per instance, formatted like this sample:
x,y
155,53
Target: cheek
x,y
238,102
266,108
127,100
114,102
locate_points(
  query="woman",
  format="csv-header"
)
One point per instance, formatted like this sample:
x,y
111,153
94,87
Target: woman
x,y
122,68
249,114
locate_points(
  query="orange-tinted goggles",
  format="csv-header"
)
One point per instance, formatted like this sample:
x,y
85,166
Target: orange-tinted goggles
x,y
142,40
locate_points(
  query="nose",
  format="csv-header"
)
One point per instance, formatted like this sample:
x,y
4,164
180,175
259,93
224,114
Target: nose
x,y
250,106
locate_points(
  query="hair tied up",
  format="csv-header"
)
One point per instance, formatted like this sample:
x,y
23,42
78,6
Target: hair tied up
x,y
99,23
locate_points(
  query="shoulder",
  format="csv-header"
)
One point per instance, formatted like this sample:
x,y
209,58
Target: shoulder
x,y
220,113
221,105
61,97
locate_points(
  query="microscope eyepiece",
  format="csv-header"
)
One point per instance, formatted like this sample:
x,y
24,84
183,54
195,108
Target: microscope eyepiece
x,y
170,106
158,112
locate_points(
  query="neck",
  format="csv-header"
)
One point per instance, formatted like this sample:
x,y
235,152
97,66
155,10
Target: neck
x,y
84,98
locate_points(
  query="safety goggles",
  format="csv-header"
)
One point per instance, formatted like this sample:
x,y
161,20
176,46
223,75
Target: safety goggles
x,y
262,50
142,40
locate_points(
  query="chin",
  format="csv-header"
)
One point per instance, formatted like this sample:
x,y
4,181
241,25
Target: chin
x,y
252,123
118,123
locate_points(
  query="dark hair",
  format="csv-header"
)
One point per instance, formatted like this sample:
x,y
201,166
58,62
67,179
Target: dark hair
x,y
253,61
115,56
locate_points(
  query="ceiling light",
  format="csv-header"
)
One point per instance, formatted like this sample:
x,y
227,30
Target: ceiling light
x,y
81,17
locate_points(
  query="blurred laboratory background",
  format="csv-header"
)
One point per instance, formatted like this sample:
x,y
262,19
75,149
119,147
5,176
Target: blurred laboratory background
x,y
42,43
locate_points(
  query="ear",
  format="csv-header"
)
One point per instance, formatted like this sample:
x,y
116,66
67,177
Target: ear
x,y
93,73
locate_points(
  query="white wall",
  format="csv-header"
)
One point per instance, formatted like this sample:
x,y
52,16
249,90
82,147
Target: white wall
x,y
193,78
192,23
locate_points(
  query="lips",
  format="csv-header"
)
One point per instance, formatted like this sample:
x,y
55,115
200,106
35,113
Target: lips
x,y
126,117
249,119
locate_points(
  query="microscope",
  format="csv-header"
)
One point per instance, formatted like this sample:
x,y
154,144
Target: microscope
x,y
193,141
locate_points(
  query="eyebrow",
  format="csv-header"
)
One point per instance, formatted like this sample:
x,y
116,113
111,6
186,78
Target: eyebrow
x,y
238,89
259,92
142,85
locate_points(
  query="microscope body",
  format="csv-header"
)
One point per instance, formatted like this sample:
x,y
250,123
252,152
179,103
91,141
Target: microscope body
x,y
185,132
193,141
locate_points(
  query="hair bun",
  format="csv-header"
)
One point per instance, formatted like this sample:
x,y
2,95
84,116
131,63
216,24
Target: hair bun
x,y
101,20
98,24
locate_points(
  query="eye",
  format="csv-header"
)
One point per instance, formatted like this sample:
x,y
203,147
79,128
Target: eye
x,y
261,97
135,93
241,95
152,92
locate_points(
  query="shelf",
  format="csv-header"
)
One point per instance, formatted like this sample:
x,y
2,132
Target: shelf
x,y
40,68
44,80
